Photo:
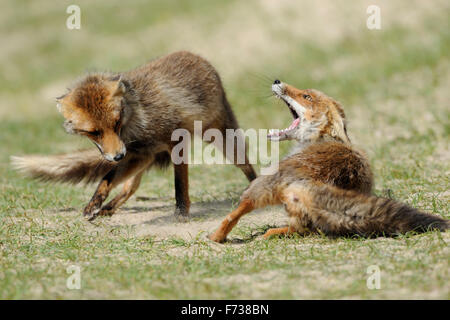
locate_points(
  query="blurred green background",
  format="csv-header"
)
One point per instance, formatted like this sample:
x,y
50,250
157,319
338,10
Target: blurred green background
x,y
392,82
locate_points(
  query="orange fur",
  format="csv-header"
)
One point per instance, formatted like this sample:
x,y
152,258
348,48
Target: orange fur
x,y
130,117
325,184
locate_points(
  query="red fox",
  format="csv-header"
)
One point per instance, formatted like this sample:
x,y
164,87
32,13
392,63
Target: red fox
x,y
130,117
325,184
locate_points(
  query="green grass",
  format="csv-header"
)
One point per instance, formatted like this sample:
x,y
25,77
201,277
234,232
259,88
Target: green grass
x,y
393,84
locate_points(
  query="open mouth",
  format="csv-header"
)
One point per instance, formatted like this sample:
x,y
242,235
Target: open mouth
x,y
277,134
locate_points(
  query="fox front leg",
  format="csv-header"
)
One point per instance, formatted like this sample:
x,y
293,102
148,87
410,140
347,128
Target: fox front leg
x,y
129,188
126,169
231,220
93,207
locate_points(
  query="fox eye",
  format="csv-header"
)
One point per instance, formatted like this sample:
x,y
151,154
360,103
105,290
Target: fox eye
x,y
94,133
119,121
307,97
117,125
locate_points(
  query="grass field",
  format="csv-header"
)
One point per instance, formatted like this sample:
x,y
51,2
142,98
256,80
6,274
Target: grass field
x,y
393,83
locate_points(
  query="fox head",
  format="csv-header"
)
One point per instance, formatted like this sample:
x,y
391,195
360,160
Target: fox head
x,y
94,108
316,116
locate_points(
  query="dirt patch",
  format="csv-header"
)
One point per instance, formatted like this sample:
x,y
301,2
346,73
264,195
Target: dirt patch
x,y
156,218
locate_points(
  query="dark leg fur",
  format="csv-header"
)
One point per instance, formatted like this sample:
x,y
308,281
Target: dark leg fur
x,y
129,188
231,123
182,192
125,169
93,207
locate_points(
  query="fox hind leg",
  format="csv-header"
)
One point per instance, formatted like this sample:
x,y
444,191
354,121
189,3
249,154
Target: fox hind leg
x,y
182,192
233,150
296,225
258,195
236,153
277,231
236,150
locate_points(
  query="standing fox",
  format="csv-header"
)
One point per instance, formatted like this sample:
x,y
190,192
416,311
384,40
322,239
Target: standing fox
x,y
325,184
130,117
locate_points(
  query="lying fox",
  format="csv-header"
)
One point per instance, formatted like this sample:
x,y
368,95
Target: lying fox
x,y
130,117
325,184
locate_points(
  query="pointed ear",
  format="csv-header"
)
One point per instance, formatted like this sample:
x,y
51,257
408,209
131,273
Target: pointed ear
x,y
61,97
59,100
115,77
116,85
339,130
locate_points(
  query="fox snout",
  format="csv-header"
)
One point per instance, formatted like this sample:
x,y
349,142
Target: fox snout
x,y
278,87
115,156
112,148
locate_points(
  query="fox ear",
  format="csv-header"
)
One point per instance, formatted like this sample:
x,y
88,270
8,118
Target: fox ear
x,y
339,130
117,86
115,77
63,96
60,99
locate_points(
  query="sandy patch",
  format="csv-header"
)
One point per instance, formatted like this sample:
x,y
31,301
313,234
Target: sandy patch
x,y
155,218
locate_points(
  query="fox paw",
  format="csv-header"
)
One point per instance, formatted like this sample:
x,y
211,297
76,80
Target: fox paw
x,y
182,218
106,212
217,238
90,215
182,215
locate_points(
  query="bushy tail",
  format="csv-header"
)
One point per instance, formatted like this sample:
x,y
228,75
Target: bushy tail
x,y
84,166
340,212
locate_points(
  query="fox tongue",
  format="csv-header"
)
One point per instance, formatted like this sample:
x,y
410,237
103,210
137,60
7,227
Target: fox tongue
x,y
294,124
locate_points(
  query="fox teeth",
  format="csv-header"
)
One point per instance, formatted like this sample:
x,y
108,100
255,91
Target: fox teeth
x,y
275,132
